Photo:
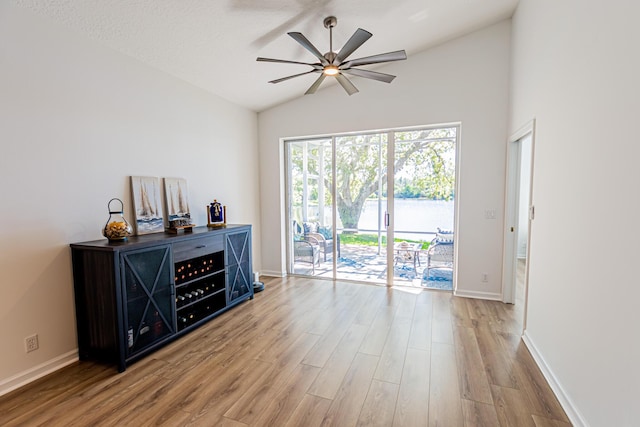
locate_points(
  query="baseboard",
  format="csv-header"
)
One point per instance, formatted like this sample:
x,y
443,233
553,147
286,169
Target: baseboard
x,y
30,375
272,273
566,403
492,296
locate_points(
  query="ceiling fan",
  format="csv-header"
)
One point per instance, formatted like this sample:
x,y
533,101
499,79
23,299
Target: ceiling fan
x,y
335,64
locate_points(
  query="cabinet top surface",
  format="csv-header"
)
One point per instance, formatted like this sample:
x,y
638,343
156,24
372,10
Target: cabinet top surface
x,y
134,242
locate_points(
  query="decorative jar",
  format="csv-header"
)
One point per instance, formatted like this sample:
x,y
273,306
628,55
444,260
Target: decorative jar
x,y
117,228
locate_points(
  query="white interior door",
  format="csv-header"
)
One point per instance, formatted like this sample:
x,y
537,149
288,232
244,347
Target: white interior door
x,y
519,214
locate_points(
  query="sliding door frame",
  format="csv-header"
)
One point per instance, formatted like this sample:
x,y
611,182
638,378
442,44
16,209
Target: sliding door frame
x,y
387,216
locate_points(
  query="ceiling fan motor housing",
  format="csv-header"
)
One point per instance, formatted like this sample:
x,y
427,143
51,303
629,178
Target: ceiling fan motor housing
x,y
330,56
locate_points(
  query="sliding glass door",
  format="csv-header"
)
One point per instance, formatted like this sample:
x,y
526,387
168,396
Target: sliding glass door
x,y
361,173
424,207
370,234
310,207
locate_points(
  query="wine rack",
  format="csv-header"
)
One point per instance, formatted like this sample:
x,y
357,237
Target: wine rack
x,y
135,296
196,268
200,309
200,287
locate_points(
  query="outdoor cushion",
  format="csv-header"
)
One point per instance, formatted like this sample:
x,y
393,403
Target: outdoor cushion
x,y
444,236
325,232
310,227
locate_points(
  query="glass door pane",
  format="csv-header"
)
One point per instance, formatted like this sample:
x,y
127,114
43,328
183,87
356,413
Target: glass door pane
x,y
148,296
424,194
361,173
311,229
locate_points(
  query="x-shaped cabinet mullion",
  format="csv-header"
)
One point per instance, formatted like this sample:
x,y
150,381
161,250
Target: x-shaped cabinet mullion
x,y
144,287
238,259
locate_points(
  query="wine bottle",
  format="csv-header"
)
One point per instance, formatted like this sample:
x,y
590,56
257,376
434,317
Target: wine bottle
x,y
182,322
157,324
144,328
180,300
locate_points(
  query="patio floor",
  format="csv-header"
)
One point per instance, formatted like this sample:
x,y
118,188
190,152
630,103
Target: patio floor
x,y
365,264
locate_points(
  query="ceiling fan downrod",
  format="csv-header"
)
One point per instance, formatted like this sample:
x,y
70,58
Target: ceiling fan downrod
x,y
330,22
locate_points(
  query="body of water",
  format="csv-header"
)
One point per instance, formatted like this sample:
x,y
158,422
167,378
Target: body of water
x,y
411,215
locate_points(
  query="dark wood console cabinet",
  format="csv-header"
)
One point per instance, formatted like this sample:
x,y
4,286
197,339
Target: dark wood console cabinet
x,y
135,296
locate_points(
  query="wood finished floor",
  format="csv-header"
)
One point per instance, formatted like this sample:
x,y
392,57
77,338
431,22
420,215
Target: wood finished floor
x,y
315,353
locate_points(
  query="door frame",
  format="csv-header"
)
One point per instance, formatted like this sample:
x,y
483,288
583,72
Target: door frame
x,y
512,199
389,220
390,199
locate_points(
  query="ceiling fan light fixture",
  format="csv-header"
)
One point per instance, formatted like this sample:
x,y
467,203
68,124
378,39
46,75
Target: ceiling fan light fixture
x,y
331,70
336,63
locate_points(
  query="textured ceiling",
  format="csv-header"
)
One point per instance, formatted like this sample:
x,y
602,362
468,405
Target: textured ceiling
x,y
213,44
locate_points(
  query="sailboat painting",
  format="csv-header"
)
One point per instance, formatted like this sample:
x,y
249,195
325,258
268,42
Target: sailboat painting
x,y
148,204
175,191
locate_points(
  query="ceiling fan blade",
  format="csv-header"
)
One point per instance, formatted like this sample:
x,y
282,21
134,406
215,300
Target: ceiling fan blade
x,y
398,55
285,61
387,78
315,85
290,77
346,84
307,45
356,40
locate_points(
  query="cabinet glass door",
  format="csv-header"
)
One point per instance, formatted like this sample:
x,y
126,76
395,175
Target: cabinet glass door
x,y
149,297
238,254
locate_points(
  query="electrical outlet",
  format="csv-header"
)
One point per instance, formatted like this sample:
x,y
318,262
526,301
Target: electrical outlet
x,y
485,277
31,343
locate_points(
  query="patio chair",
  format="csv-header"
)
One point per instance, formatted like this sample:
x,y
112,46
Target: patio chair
x,y
440,252
322,236
304,251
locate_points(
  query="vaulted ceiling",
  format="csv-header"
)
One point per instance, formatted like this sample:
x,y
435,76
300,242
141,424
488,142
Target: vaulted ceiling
x,y
213,44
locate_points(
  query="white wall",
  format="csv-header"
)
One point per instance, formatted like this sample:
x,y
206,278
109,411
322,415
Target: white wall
x,y
575,69
76,120
464,80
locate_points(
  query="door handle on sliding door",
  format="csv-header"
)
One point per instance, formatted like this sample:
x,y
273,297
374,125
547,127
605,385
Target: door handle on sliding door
x,y
386,219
